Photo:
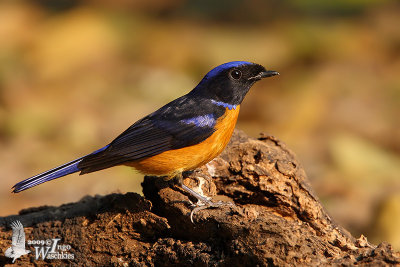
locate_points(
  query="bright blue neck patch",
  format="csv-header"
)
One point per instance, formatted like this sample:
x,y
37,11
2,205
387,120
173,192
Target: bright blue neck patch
x,y
223,104
225,66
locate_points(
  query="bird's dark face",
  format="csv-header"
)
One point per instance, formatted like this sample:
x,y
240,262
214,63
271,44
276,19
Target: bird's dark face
x,y
230,82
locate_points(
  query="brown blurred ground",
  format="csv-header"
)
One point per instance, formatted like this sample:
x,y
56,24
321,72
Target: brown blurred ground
x,y
73,76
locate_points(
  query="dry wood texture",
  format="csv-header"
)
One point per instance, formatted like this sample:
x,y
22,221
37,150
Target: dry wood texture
x,y
276,220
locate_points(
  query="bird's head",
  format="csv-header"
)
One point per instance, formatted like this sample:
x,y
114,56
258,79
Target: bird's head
x,y
230,82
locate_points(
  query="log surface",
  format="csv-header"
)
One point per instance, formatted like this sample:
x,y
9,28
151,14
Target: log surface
x,y
276,220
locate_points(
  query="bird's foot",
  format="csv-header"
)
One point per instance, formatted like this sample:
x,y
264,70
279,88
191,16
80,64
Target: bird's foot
x,y
203,202
200,205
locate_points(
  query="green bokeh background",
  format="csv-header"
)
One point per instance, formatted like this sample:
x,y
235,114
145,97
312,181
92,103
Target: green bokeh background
x,y
74,74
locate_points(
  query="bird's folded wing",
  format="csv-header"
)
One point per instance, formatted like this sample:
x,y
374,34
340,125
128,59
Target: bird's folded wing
x,y
161,131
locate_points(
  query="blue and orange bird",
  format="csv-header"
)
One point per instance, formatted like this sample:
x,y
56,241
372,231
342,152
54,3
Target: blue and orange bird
x,y
180,136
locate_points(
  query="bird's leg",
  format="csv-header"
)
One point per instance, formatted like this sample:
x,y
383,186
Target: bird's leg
x,y
201,198
203,202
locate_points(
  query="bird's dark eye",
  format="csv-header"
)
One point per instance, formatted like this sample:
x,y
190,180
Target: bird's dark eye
x,y
236,74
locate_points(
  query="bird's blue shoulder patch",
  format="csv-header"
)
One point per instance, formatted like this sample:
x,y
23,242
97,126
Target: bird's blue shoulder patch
x,y
225,66
207,120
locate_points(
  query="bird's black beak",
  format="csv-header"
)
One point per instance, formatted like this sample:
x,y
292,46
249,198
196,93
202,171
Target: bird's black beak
x,y
268,73
264,74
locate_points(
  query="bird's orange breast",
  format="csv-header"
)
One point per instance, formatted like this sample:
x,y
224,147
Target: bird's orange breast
x,y
172,162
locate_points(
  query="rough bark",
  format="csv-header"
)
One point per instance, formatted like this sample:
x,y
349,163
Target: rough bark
x,y
276,219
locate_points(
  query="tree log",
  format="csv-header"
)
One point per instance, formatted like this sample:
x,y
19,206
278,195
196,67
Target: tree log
x,y
275,220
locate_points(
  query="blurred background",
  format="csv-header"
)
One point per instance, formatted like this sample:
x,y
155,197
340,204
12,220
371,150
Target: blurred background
x,y
74,74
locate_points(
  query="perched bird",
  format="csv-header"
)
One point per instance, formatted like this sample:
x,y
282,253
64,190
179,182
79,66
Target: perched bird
x,y
180,136
17,248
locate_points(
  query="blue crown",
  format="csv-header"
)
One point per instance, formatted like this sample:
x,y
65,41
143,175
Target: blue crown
x,y
225,66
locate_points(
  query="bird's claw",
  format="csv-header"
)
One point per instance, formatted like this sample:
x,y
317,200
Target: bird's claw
x,y
203,202
206,205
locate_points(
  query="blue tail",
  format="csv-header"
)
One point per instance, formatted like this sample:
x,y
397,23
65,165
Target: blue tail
x,y
49,175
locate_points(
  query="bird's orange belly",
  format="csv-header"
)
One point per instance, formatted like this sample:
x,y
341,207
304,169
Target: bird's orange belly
x,y
172,162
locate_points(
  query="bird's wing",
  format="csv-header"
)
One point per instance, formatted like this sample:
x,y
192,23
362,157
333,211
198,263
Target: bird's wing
x,y
18,237
183,122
